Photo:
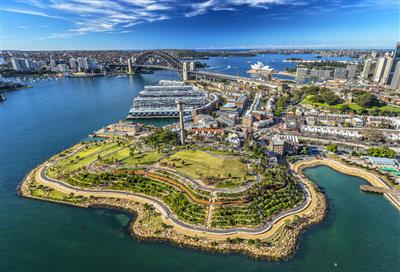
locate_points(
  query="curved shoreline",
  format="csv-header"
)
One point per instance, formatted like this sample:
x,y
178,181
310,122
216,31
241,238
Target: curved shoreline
x,y
351,171
281,236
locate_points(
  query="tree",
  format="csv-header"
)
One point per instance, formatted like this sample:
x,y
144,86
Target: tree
x,y
382,151
368,100
332,148
304,150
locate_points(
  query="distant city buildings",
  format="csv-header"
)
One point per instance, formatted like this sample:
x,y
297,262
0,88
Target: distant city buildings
x,y
22,64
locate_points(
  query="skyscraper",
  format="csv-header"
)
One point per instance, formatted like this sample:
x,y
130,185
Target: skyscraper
x,y
351,71
82,64
396,59
379,69
52,61
73,64
367,68
395,83
386,71
340,73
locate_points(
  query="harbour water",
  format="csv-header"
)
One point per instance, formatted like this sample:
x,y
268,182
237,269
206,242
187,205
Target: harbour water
x,y
240,65
360,233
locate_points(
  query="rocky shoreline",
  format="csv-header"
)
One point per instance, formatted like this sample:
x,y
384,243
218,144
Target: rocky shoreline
x,y
148,224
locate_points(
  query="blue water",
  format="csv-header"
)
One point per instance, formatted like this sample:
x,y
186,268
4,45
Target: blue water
x,y
240,65
360,234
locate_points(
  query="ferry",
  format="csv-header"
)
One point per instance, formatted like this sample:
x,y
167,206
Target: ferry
x,y
121,76
2,98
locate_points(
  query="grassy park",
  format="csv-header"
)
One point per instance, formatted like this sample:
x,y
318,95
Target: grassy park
x,y
211,167
122,166
341,107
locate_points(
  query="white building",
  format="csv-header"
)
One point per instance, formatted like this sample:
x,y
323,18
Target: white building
x,y
395,84
351,71
367,68
379,69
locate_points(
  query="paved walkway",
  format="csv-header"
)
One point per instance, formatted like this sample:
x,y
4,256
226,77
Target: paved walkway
x,y
168,214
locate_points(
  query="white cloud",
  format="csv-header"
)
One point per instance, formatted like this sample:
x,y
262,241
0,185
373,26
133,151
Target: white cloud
x,y
29,12
94,16
200,8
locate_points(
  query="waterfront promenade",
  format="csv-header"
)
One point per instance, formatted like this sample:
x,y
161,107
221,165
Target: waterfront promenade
x,y
265,231
391,194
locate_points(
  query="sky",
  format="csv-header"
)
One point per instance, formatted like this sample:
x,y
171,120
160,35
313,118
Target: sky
x,y
198,24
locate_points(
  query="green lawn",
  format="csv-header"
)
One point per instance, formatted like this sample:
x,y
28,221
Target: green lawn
x,y
141,159
120,155
201,164
353,106
87,156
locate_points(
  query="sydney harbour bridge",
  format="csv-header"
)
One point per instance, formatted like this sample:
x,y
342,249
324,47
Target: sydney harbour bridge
x,y
159,59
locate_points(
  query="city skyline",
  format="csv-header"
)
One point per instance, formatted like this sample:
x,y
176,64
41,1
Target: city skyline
x,y
233,24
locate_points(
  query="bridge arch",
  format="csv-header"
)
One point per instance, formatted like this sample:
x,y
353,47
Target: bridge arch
x,y
168,61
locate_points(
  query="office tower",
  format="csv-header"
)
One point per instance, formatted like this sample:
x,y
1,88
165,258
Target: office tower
x,y
367,69
340,73
395,60
386,71
379,69
351,71
395,83
373,54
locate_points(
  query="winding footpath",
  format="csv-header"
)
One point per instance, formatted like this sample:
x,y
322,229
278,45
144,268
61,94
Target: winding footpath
x,y
265,231
169,217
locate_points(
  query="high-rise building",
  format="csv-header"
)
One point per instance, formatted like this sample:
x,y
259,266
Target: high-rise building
x,y
82,64
91,64
386,71
301,72
52,61
379,69
321,75
340,73
395,83
373,54
395,60
351,71
73,64
367,68
16,64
